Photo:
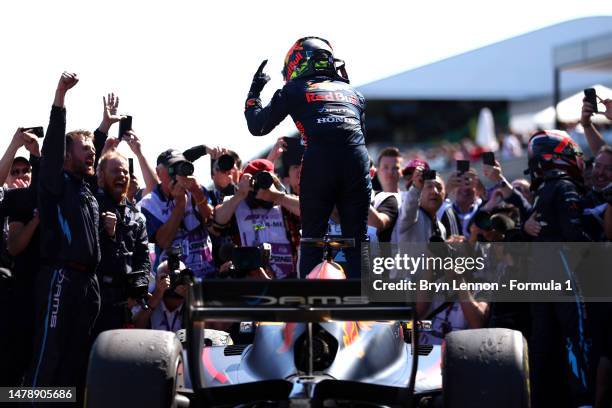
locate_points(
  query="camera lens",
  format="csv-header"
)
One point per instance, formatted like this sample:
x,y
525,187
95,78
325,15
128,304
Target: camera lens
x,y
225,162
184,169
262,180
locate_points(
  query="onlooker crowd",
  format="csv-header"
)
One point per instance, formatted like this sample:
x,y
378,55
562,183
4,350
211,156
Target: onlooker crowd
x,y
78,229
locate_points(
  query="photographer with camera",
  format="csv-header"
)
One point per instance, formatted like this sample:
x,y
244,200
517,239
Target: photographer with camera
x,y
124,265
258,213
164,306
223,174
225,181
178,212
164,309
224,166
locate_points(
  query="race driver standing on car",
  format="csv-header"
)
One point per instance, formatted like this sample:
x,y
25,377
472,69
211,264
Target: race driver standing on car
x,y
69,252
329,115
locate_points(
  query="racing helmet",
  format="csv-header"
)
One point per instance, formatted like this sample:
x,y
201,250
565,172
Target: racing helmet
x,y
311,56
554,150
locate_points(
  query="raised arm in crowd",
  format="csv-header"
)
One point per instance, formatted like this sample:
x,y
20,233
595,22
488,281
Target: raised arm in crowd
x,y
224,212
20,138
593,137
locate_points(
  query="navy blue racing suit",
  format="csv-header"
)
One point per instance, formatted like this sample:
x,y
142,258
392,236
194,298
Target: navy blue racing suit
x,y
329,115
67,285
560,345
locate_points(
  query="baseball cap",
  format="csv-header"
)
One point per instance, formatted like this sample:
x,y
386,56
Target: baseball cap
x,y
413,164
258,165
21,159
170,157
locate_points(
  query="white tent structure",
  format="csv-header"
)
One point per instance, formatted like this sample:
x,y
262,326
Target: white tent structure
x,y
517,69
523,71
485,131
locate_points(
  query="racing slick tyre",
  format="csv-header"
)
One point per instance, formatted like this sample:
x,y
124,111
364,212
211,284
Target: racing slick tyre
x,y
134,368
485,368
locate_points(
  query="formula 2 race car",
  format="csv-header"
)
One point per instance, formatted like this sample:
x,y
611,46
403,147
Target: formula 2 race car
x,y
318,343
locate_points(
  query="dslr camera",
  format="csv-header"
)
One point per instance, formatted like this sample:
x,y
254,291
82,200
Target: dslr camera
x,y
182,168
225,162
262,180
177,275
245,259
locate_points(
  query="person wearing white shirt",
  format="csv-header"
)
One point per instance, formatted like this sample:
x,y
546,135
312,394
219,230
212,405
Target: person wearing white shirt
x,y
165,305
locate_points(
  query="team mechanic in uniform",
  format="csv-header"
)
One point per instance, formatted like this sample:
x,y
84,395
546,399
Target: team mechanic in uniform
x,y
560,356
69,252
329,114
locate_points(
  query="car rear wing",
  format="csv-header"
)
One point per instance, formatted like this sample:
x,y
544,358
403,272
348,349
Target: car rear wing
x,y
287,300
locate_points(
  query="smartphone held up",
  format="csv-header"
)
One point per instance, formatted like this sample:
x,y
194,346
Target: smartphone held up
x,y
463,166
488,158
429,175
591,97
125,124
37,130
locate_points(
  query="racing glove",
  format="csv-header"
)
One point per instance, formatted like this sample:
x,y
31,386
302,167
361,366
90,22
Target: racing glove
x,y
260,79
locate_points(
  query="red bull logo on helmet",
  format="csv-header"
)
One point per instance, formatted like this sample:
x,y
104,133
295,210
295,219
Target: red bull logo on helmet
x,y
293,58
